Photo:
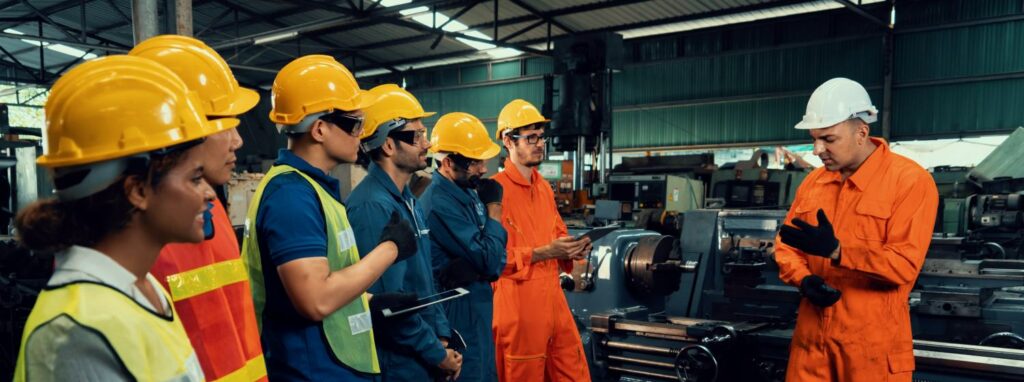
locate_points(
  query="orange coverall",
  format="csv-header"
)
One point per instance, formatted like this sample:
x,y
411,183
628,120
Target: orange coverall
x,y
535,336
883,216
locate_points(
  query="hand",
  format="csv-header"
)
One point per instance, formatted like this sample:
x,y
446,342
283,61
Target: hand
x,y
459,272
582,254
401,233
490,191
562,248
817,241
817,292
389,300
452,363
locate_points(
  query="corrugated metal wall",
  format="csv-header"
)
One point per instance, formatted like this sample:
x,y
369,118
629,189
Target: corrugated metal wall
x,y
959,68
750,83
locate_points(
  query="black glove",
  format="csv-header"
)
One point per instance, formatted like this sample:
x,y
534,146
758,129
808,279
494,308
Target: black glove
x,y
400,232
457,273
819,293
818,241
490,191
389,300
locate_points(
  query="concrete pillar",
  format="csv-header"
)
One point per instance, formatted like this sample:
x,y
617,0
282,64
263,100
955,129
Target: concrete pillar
x,y
183,10
144,19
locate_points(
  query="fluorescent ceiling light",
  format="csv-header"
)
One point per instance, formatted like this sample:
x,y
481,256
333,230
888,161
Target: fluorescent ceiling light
x,y
413,11
478,45
499,53
391,3
60,48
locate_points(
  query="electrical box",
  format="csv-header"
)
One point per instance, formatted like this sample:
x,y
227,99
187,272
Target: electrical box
x,y
668,192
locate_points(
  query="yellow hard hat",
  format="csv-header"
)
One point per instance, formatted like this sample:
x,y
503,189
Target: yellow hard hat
x,y
463,134
117,106
314,84
516,114
203,71
393,103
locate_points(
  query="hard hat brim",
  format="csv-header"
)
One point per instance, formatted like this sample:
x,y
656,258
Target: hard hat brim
x,y
245,100
491,152
213,126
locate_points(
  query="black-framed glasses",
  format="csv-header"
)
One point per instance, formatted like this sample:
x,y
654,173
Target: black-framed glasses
x,y
410,137
348,123
531,139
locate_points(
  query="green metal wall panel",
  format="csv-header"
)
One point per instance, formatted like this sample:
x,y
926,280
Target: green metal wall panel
x,y
484,102
958,109
716,123
539,65
474,73
758,72
958,52
915,13
505,70
732,122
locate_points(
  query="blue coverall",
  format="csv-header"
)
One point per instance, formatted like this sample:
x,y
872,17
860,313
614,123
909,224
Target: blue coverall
x,y
408,347
460,228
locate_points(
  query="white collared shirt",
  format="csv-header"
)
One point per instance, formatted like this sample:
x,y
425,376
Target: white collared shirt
x,y
81,354
79,263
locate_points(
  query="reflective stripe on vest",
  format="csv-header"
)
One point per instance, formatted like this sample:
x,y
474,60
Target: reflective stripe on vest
x,y
255,369
204,279
150,346
354,348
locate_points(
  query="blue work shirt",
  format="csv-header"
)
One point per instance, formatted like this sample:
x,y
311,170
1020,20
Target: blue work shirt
x,y
290,225
408,347
460,228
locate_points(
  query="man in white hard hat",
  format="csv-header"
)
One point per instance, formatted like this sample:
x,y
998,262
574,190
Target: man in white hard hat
x,y
854,244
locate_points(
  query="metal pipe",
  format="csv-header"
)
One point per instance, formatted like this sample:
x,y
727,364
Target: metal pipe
x,y
183,16
144,20
643,373
641,361
641,348
577,172
62,42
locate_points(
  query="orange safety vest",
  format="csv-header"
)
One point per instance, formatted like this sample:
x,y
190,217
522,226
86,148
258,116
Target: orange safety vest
x,y
210,289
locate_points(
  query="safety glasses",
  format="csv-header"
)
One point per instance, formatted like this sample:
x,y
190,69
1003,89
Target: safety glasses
x,y
350,124
410,137
531,139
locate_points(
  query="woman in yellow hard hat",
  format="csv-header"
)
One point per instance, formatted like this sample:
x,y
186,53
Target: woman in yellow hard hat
x,y
119,135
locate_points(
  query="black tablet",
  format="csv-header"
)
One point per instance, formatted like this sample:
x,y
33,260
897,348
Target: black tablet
x,y
425,302
598,233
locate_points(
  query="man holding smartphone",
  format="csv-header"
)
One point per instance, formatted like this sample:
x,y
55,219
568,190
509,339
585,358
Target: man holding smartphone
x,y
534,332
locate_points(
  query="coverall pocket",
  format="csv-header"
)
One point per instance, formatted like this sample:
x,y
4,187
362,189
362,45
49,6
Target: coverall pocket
x,y
872,217
525,367
901,362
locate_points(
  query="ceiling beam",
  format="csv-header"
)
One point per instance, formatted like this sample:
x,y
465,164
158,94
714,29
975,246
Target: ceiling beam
x,y
617,28
278,23
862,13
535,12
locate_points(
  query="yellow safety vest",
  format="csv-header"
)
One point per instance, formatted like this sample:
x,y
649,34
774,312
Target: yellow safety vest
x,y
150,346
348,330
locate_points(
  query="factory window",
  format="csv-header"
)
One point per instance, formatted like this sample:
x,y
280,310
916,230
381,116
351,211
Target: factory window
x,y
24,105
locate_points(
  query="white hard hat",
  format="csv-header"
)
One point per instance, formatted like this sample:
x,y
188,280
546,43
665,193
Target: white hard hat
x,y
835,101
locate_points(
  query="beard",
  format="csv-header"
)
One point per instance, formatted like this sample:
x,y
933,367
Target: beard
x,y
468,181
410,162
